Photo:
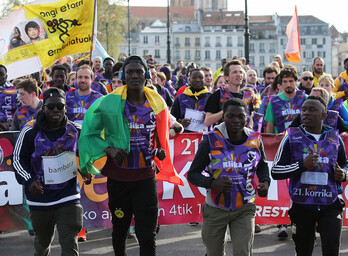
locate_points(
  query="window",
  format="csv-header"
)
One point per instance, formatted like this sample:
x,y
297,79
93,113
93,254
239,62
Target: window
x,y
157,39
303,40
262,47
218,54
314,41
187,55
313,54
252,61
145,40
229,54
229,41
240,53
240,41
197,41
324,41
177,54
324,54
197,55
134,51
177,41
282,41
262,60
157,54
187,41
207,41
207,55
304,54
145,52
218,41
272,47
187,28
251,48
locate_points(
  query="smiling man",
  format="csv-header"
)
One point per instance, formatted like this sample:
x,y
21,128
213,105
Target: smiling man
x,y
194,97
232,154
284,107
233,74
313,157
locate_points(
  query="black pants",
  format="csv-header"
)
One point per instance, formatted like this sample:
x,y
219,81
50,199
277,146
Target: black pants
x,y
140,199
329,221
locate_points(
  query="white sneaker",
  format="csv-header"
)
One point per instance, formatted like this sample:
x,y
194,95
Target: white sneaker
x,y
282,232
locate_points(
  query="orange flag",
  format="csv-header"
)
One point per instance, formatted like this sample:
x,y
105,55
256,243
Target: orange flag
x,y
293,49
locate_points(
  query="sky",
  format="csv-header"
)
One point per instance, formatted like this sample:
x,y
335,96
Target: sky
x,y
333,12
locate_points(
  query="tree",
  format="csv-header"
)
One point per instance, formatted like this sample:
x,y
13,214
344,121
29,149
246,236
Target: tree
x,y
112,24
5,8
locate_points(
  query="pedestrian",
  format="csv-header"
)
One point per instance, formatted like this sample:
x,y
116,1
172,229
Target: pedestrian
x,y
313,157
44,146
233,154
130,126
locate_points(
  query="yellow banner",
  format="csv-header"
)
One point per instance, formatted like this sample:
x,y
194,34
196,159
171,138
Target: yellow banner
x,y
51,31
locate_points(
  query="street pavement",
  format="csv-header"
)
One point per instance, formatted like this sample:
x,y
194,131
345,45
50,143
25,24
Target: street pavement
x,y
183,240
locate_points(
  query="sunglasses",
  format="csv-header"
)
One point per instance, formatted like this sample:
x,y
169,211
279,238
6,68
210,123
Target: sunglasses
x,y
307,77
51,106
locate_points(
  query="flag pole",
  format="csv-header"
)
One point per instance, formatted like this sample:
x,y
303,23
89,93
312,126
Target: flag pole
x,y
91,50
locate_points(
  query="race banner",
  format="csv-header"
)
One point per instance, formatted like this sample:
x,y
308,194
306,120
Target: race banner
x,y
177,204
34,36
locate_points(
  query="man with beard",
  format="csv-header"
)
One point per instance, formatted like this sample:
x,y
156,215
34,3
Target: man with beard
x,y
318,69
97,66
78,101
307,82
15,39
194,97
284,107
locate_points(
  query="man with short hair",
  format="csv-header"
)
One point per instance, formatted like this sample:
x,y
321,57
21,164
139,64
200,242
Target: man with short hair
x,y
194,97
180,65
318,69
312,158
269,74
79,101
251,79
44,146
28,94
130,127
233,73
341,83
59,76
231,154
97,66
9,100
284,107
307,82
208,77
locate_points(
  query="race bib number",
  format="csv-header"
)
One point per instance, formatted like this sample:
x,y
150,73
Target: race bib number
x,y
59,169
314,178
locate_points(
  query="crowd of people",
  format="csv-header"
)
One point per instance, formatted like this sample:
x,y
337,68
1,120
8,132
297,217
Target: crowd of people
x,y
125,107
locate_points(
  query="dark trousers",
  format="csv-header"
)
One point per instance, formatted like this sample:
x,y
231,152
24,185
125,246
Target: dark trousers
x,y
305,220
140,199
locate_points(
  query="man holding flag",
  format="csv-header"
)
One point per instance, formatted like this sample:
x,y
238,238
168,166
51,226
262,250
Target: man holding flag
x,y
129,131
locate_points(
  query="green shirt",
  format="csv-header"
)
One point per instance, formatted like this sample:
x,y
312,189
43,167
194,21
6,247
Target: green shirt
x,y
269,112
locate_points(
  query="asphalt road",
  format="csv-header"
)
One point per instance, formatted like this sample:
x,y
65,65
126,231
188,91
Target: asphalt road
x,y
183,240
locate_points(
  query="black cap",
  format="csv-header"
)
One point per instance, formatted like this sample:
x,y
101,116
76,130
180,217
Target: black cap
x,y
135,59
53,92
108,58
